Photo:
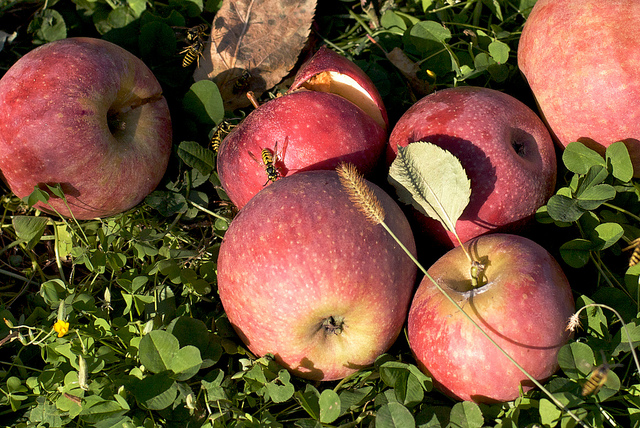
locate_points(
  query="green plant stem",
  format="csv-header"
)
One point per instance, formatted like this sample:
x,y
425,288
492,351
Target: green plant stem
x,y
622,210
57,253
484,333
211,213
624,327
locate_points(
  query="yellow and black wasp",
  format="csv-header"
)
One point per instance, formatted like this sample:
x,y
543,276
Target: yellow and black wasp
x,y
243,83
192,53
199,32
195,36
597,378
219,132
270,160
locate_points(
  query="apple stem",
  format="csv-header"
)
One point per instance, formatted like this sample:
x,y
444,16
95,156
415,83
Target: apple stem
x,y
252,99
484,333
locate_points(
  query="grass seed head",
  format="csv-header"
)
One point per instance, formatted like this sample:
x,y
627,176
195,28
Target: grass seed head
x,y
360,193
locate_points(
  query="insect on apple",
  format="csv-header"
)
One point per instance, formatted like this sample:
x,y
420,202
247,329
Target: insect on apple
x,y
270,160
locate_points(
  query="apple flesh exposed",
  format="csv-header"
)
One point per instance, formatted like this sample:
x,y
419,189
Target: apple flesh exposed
x,y
587,88
524,304
328,71
313,130
89,115
303,274
503,146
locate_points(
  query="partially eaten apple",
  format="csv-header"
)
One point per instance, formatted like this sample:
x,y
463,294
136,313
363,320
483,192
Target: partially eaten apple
x,y
328,71
332,113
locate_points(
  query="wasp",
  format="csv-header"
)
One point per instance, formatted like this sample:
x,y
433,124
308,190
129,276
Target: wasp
x,y
243,83
197,33
219,132
192,53
269,161
597,378
635,255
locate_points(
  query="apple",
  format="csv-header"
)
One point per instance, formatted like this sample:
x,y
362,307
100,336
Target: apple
x,y
302,130
503,146
586,88
328,71
303,275
524,303
86,114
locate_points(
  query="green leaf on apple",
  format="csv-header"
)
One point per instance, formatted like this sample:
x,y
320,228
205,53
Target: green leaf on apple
x,y
432,180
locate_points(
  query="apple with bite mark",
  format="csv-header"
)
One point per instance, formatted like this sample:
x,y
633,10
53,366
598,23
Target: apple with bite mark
x,y
332,113
586,88
302,130
328,71
89,115
523,302
503,146
305,276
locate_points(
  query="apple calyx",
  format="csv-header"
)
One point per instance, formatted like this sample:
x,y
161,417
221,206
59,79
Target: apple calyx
x,y
477,271
332,325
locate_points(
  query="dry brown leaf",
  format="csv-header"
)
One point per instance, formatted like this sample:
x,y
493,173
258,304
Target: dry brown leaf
x,y
253,45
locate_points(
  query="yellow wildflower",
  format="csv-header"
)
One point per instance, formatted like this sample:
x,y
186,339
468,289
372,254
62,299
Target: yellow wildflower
x,y
61,327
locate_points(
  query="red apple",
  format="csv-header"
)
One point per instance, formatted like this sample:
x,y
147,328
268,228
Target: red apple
x,y
586,88
312,130
303,274
328,71
523,304
504,147
89,115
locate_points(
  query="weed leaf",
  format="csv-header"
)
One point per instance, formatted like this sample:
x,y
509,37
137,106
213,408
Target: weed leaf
x,y
466,414
329,406
29,228
196,156
617,157
204,102
432,180
394,415
578,158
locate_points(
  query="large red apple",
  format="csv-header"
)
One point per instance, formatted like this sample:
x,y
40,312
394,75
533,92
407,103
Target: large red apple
x,y
312,130
503,146
524,304
303,274
89,115
581,60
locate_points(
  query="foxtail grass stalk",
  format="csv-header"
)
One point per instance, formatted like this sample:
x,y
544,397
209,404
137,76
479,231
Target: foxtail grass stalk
x,y
366,201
